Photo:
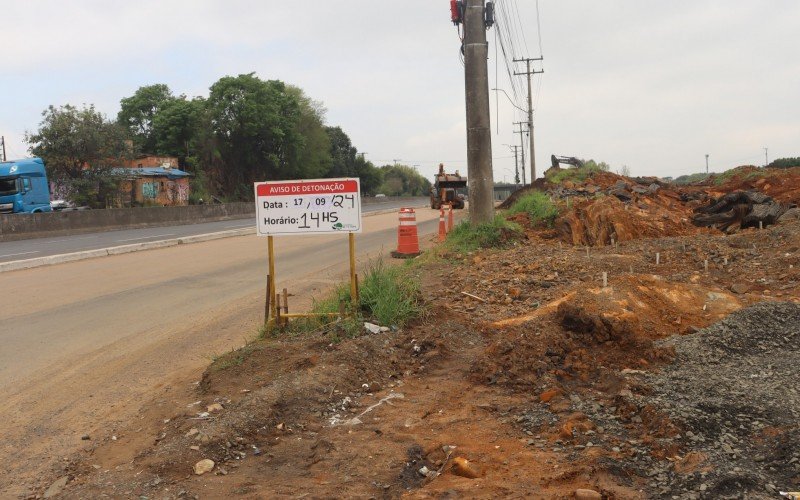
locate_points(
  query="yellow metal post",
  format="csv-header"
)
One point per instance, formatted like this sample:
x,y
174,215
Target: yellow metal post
x,y
271,251
353,286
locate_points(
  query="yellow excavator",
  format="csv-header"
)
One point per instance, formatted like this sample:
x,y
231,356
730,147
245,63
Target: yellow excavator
x,y
444,189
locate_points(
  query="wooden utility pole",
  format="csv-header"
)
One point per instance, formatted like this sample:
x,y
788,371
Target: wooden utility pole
x,y
530,72
479,139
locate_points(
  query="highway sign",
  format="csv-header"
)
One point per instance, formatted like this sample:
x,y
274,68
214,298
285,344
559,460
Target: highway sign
x,y
312,206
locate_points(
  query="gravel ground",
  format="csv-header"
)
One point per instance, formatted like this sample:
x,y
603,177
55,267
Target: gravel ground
x,y
734,389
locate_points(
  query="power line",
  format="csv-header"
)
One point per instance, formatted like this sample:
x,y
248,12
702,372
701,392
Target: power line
x,y
539,28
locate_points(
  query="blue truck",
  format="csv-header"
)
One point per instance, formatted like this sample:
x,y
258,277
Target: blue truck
x,y
24,187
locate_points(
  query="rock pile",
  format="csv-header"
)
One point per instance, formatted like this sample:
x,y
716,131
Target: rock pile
x,y
734,390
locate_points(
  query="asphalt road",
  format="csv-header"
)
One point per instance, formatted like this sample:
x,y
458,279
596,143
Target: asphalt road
x,y
42,247
84,343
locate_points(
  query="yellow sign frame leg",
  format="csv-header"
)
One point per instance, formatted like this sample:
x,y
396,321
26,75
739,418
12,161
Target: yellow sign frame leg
x,y
272,303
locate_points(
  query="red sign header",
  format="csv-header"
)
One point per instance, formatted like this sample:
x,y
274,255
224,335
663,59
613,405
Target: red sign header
x,y
306,188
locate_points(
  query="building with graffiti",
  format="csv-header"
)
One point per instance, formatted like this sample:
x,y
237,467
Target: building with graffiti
x,y
147,186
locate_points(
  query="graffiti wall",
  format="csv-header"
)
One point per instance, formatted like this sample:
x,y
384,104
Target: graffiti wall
x,y
150,190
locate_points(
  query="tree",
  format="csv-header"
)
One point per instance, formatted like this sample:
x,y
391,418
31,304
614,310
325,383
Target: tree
x,y
343,154
312,155
175,127
138,112
72,140
402,180
80,147
371,177
253,128
785,163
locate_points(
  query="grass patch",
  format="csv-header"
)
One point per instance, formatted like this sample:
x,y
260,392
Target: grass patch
x,y
538,207
235,357
576,174
496,234
388,296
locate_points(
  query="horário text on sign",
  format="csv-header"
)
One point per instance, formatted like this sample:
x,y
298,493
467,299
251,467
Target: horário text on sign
x,y
308,207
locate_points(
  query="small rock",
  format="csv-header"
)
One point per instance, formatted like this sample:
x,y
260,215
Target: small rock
x,y
462,467
85,437
214,407
546,396
56,487
203,466
740,288
372,328
586,494
193,431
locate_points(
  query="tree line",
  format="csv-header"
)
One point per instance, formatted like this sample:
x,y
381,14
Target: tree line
x,y
246,130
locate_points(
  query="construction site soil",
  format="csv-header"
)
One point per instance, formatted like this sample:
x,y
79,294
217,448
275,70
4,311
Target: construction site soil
x,y
662,364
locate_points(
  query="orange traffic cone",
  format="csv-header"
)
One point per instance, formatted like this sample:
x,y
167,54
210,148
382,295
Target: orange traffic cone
x,y
442,227
449,218
407,239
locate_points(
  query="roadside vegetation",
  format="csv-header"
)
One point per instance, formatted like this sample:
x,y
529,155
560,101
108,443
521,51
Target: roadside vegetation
x,y
538,206
389,296
246,130
690,178
498,233
577,174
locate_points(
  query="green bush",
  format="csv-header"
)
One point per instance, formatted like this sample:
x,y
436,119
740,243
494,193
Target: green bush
x,y
468,238
538,207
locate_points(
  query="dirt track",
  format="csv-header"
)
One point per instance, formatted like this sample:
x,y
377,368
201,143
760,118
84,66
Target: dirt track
x,y
85,343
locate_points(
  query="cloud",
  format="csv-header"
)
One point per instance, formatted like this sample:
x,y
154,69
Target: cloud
x,y
649,84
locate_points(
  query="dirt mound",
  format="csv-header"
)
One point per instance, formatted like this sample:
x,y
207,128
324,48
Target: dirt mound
x,y
597,222
589,329
733,389
781,184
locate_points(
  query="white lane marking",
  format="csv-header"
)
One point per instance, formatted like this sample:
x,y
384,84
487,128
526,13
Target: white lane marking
x,y
21,253
149,237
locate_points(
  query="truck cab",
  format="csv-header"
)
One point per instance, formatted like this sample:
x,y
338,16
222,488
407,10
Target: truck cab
x,y
24,187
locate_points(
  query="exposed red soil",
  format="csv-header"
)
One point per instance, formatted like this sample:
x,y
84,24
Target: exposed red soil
x,y
521,382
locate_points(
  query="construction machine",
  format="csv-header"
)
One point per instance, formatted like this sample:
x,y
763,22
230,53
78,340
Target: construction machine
x,y
569,160
444,189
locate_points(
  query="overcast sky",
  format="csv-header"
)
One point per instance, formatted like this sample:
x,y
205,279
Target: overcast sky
x,y
649,84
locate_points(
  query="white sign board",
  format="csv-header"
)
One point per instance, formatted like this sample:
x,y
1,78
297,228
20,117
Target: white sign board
x,y
316,206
